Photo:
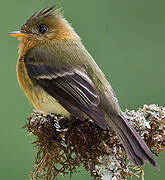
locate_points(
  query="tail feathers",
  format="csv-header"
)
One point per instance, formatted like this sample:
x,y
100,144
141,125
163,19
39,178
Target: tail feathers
x,y
136,148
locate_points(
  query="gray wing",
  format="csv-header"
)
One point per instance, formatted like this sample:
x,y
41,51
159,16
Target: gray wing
x,y
71,87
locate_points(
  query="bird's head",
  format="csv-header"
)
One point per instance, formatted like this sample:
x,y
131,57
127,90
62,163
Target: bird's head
x,y
43,26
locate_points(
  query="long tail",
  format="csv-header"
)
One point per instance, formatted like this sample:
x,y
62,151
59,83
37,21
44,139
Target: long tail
x,y
136,148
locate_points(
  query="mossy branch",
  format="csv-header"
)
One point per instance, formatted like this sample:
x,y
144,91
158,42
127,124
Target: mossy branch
x,y
65,144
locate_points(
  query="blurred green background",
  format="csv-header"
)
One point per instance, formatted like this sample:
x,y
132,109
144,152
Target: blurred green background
x,y
127,40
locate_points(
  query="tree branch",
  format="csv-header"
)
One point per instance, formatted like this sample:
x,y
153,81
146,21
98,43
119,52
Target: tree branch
x,y
65,144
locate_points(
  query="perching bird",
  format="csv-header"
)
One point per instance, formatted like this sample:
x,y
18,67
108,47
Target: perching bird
x,y
58,75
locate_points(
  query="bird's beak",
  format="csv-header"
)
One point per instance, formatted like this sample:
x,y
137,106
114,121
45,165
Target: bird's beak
x,y
18,34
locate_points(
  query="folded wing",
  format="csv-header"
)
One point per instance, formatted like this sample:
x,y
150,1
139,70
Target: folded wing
x,y
71,87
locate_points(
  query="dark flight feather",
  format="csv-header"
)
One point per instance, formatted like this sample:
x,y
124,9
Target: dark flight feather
x,y
136,148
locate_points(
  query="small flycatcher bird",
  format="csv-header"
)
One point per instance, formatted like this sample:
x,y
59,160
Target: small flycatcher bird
x,y
58,75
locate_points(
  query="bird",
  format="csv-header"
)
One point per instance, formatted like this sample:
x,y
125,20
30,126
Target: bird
x,y
58,75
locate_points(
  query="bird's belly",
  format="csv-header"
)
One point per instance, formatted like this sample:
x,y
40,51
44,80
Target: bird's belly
x,y
42,101
52,106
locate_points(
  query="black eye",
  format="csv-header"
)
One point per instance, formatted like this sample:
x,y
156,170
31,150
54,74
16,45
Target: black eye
x,y
42,29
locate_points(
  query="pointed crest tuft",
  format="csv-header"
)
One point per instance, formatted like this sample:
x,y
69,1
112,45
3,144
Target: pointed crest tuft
x,y
49,11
